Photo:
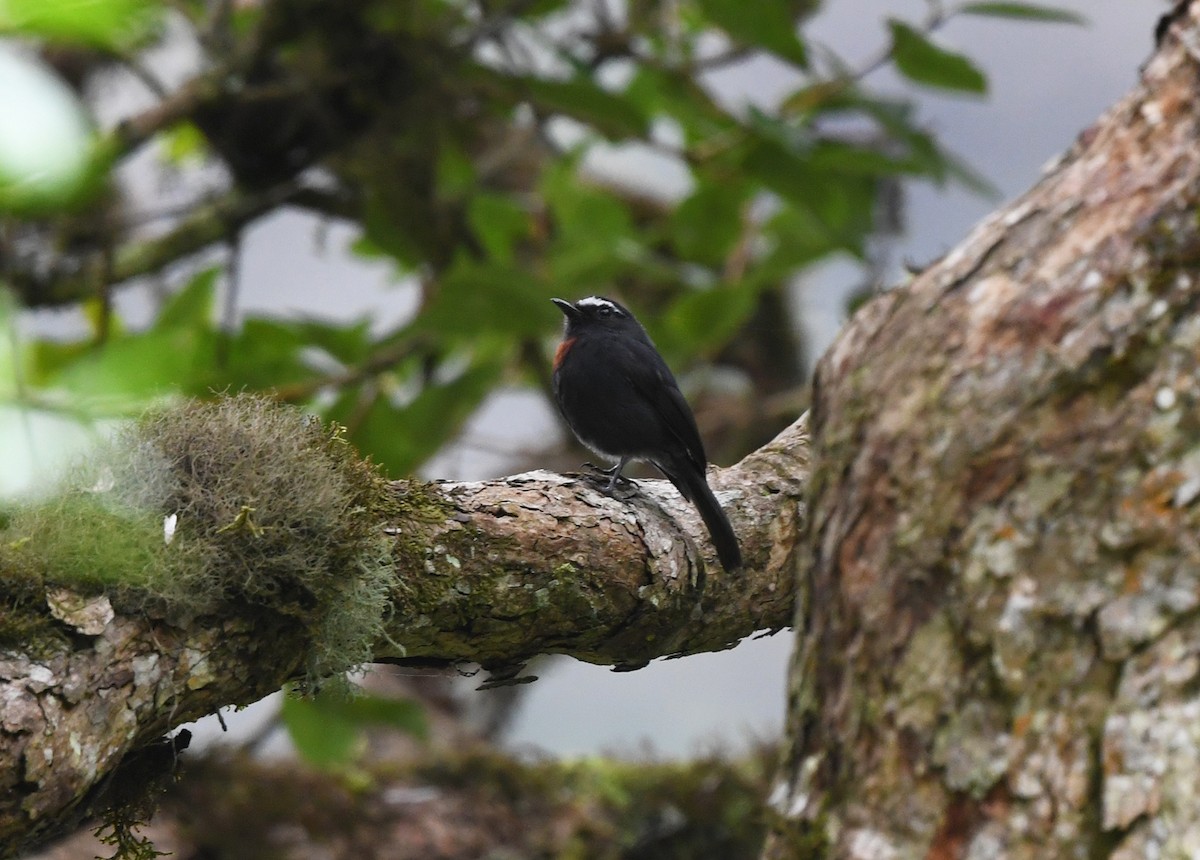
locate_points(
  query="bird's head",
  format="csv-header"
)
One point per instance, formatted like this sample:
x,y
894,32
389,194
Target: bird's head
x,y
595,314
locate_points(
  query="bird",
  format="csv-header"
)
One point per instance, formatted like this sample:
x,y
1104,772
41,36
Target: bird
x,y
620,399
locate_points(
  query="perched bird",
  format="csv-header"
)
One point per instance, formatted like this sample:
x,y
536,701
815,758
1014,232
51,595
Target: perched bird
x,y
621,401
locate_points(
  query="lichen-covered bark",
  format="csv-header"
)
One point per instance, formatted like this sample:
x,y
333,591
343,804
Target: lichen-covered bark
x,y
67,720
495,572
542,563
1000,646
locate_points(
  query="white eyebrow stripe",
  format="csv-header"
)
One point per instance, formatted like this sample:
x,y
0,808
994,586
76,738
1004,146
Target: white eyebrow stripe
x,y
597,302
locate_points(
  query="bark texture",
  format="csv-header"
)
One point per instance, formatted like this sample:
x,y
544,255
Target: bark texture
x,y
492,572
543,563
1000,651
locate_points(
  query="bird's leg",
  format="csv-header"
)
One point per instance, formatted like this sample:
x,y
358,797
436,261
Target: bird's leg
x,y
616,475
615,478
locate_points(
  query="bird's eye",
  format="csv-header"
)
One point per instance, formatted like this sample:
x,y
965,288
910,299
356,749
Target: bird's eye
x,y
605,311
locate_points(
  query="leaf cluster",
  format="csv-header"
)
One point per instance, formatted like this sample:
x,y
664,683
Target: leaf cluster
x,y
464,142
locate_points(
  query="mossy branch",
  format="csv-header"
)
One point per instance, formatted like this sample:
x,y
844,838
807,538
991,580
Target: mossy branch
x,y
216,551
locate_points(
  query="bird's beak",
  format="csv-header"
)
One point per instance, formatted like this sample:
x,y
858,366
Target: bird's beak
x,y
569,310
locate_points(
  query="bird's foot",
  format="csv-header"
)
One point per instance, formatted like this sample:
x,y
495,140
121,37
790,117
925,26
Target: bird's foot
x,y
610,482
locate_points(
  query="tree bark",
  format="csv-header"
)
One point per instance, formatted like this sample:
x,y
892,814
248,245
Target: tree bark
x,y
493,572
1000,646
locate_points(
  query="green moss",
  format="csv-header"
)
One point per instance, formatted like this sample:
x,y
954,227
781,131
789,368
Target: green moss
x,y
29,625
566,570
273,512
77,540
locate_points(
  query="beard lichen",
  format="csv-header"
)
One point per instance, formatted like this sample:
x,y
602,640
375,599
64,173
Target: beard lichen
x,y
205,506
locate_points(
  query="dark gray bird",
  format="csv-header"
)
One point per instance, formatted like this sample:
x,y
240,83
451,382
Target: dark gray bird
x,y
620,398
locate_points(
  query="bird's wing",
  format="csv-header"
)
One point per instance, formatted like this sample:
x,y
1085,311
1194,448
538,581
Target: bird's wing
x,y
656,384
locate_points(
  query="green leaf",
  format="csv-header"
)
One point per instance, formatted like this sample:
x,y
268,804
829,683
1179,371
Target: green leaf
x,y
764,24
184,143
114,24
455,171
612,115
12,355
364,710
349,343
1024,12
594,240
923,154
922,61
264,354
500,223
48,150
402,437
665,91
476,297
706,224
322,741
193,305
127,373
704,319
837,210
326,728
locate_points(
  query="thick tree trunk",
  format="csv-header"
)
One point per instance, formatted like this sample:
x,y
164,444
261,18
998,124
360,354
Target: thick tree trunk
x,y
1000,642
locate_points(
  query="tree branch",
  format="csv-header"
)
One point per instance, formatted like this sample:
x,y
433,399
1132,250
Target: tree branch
x,y
208,223
492,572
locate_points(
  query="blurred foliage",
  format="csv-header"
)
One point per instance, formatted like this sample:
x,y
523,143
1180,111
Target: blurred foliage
x,y
473,803
110,24
461,138
327,728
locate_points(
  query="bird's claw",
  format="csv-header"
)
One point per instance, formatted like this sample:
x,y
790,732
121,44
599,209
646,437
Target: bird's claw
x,y
618,486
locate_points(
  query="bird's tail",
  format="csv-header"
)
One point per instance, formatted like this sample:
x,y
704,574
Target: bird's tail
x,y
692,484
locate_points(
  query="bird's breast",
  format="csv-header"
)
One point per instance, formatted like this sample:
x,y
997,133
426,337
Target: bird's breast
x,y
561,352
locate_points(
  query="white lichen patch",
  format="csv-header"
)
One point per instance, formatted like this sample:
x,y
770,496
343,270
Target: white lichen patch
x,y
146,671
1151,758
1015,638
1160,589
866,844
19,711
988,843
1053,769
974,749
39,679
1044,490
198,668
1189,488
1161,671
996,545
85,615
1128,621
1152,113
928,675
